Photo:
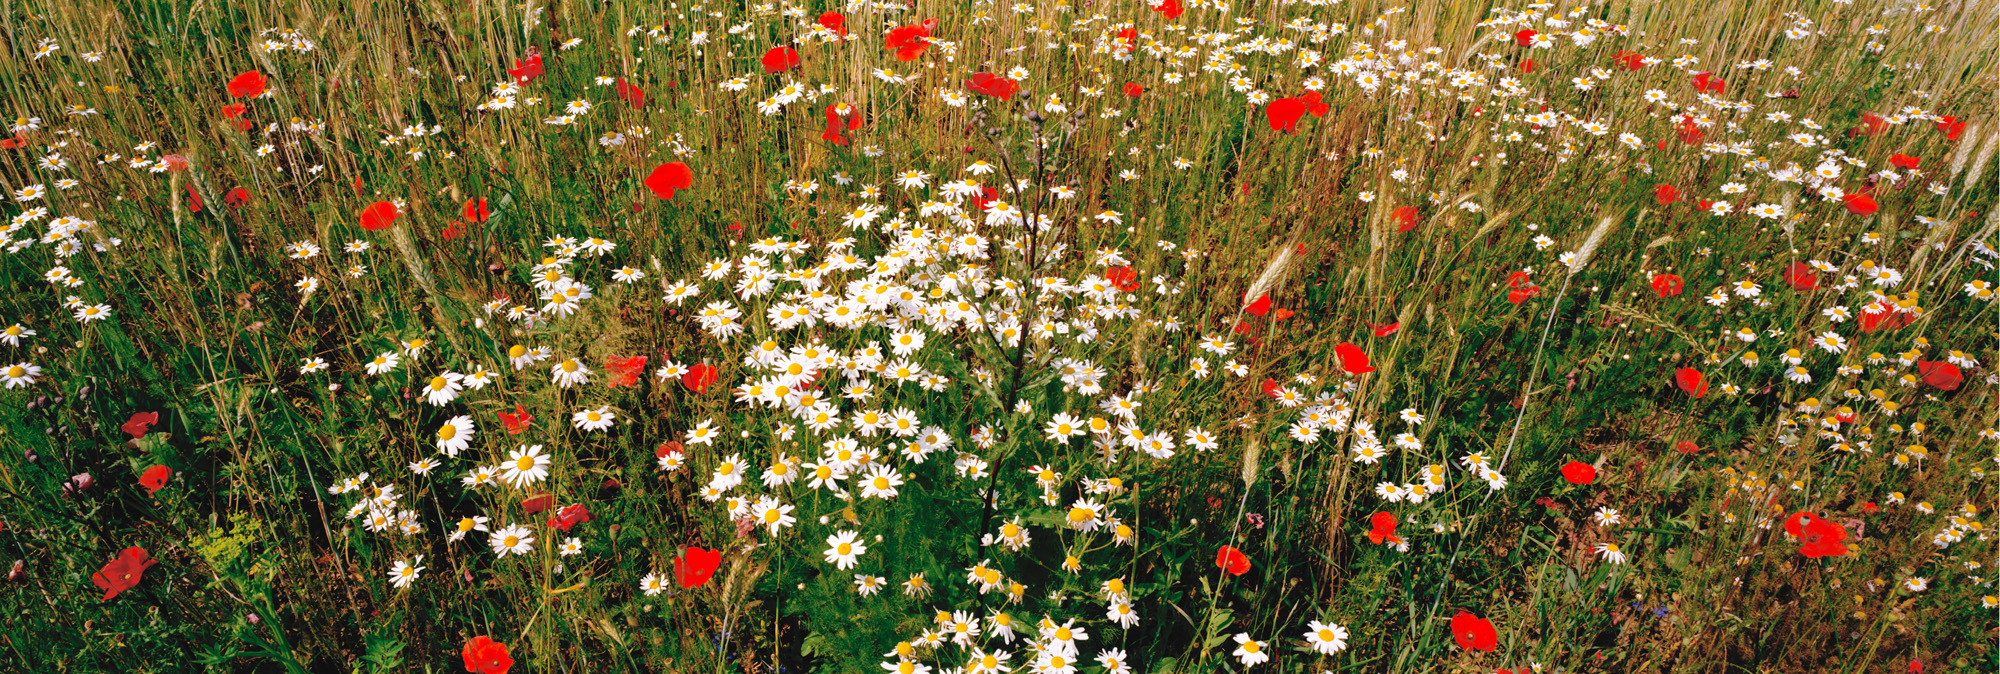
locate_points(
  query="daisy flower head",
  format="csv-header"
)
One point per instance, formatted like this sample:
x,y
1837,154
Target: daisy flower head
x,y
844,549
1326,638
594,420
1249,651
455,435
21,374
525,466
512,540
405,572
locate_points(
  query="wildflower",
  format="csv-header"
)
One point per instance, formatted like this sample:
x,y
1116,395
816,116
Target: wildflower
x,y
525,466
405,572
1606,516
694,566
1249,651
383,363
652,584
483,655
93,312
1232,560
513,539
21,374
1473,633
1577,472
1611,553
594,420
1326,638
455,435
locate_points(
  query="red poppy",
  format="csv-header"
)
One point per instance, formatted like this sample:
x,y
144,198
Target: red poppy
x,y
1283,314
1170,8
1800,277
194,199
1690,133
234,110
1945,376
910,41
1687,447
1382,529
1578,472
834,21
695,565
1528,66
1951,127
1871,124
1385,329
840,117
1665,194
1284,114
155,478
1133,90
1129,36
236,198
1270,387
1352,359
1314,104
1525,37
1232,560
1519,288
11,143
139,424
538,503
1631,60
525,72
1666,285
483,655
1689,379
669,178
1879,315
780,59
631,93
1261,306
992,85
699,377
1904,161
518,421
1817,537
1870,507
1406,218
378,216
1124,277
1860,204
474,210
122,573
625,371
569,516
986,197
246,85
1473,633
1706,81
